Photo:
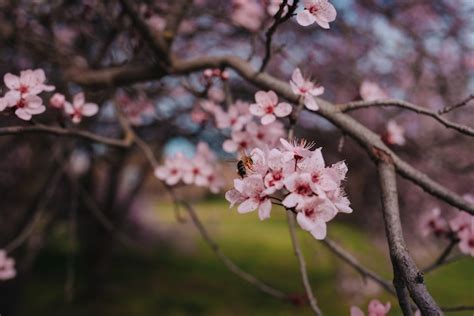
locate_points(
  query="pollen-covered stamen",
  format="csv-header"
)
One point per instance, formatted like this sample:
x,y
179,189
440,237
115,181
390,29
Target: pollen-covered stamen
x,y
269,109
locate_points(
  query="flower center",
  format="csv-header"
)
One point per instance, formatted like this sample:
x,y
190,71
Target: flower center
x,y
313,9
23,89
21,103
303,189
269,109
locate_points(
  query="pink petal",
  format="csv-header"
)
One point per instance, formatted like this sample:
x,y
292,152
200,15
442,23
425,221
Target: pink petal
x,y
356,311
283,109
36,110
305,222
291,200
3,104
247,206
318,90
257,109
24,115
161,172
11,81
310,103
78,99
265,209
262,98
273,97
295,88
90,109
33,101
267,119
304,18
297,77
327,11
319,232
229,146
68,108
321,22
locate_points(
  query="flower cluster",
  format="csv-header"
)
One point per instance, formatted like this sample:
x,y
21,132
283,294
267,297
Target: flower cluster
x,y
7,267
23,93
77,109
375,308
293,170
460,228
201,170
245,134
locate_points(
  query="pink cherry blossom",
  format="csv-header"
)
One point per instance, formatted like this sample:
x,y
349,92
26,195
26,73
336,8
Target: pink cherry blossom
x,y
248,14
57,100
371,91
461,222
339,200
80,108
320,11
394,134
240,141
278,171
322,179
466,240
172,170
267,107
433,223
296,151
265,135
306,88
234,118
274,6
7,267
313,214
30,82
376,308
299,185
252,196
26,105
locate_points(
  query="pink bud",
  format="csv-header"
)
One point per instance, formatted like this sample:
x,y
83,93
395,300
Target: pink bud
x,y
57,101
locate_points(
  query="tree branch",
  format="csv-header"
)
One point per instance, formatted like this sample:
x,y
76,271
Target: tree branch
x,y
302,265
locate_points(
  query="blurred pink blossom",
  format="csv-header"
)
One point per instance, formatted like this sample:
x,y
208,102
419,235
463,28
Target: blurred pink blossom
x,y
7,267
79,108
371,91
320,11
306,88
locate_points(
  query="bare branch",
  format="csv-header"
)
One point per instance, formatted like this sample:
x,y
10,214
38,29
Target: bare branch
x,y
304,273
406,274
58,131
457,105
466,130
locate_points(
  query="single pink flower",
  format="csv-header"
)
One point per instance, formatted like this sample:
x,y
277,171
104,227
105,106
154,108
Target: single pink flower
x,y
394,134
371,91
233,118
296,151
466,240
322,178
248,14
461,222
172,170
376,308
26,105
320,11
278,171
313,214
339,200
433,223
30,82
57,100
240,141
253,190
299,185
265,135
267,107
306,88
7,267
80,108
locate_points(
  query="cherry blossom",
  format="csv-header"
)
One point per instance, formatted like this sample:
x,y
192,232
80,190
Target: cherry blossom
x,y
306,88
252,196
172,170
57,101
313,215
375,308
394,134
296,151
7,267
30,82
320,11
274,6
248,14
299,185
371,91
278,171
80,108
26,105
433,223
267,107
235,118
466,240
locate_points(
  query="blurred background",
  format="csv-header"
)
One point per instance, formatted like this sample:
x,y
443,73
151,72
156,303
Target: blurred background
x,y
100,236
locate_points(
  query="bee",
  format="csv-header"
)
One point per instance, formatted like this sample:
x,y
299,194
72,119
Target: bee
x,y
243,164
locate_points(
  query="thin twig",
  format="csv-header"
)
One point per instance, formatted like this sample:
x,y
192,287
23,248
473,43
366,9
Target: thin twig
x,y
228,262
351,106
302,265
457,105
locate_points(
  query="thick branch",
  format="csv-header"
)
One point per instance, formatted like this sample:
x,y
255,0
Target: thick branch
x,y
406,274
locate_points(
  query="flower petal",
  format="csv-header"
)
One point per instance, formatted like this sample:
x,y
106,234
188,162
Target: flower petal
x,y
11,81
304,18
265,209
247,206
283,109
257,109
310,103
267,119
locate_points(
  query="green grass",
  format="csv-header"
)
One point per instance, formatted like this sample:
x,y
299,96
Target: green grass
x,y
192,281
